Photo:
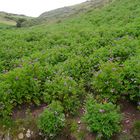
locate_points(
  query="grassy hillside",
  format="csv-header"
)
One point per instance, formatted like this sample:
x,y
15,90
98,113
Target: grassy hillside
x,y
61,14
94,56
10,19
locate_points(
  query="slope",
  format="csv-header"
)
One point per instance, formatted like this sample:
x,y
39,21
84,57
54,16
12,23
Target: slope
x,y
11,19
60,14
96,53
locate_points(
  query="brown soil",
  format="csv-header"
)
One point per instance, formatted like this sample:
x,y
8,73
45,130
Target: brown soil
x,y
23,111
131,114
128,109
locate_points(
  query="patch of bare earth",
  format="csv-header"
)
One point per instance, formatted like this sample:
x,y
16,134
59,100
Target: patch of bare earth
x,y
128,109
23,111
130,115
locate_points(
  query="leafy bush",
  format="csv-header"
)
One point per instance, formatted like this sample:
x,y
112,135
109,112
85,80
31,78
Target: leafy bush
x,y
20,21
52,120
21,86
102,118
64,89
131,78
107,81
123,48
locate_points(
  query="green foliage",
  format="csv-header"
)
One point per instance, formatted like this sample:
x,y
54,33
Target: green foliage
x,y
64,89
102,118
20,21
96,52
107,81
131,78
21,86
52,120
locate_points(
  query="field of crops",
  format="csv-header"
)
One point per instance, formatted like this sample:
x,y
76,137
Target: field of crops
x,y
96,53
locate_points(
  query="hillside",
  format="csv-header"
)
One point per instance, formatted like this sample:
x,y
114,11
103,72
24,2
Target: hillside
x,y
11,19
78,79
61,14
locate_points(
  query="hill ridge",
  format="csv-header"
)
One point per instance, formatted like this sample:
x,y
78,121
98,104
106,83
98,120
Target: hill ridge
x,y
59,14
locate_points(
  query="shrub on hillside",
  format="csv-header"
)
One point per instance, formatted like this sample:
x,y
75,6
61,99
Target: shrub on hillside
x,y
20,21
122,48
107,81
21,86
102,118
52,120
64,89
131,78
24,85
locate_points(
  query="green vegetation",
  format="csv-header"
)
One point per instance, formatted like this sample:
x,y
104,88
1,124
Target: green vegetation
x,y
20,21
52,120
94,52
102,118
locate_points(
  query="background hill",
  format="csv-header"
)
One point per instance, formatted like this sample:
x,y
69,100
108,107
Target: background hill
x,y
11,19
60,14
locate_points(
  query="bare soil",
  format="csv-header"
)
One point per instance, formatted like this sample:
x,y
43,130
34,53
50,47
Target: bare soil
x,y
128,109
23,111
